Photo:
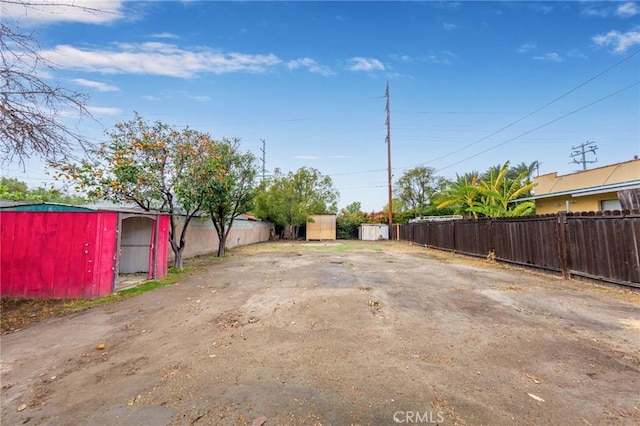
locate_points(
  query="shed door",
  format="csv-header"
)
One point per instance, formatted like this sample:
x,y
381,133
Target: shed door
x,y
152,251
135,246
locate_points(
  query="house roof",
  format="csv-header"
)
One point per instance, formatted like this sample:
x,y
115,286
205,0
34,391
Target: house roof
x,y
41,206
610,178
593,190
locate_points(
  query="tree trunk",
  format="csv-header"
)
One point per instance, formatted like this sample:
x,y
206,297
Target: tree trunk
x,y
178,263
223,244
222,232
178,246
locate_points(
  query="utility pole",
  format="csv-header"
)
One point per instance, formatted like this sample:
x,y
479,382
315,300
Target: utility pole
x,y
264,156
388,110
581,151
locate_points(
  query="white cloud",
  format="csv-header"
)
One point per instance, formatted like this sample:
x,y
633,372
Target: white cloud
x,y
526,47
199,98
438,59
365,64
448,26
444,58
104,110
155,58
311,65
401,58
305,157
627,9
446,4
101,87
542,8
394,75
576,54
550,57
164,35
621,42
594,11
151,98
47,11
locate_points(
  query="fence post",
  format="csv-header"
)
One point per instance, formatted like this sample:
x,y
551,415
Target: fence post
x,y
492,239
453,236
428,234
562,244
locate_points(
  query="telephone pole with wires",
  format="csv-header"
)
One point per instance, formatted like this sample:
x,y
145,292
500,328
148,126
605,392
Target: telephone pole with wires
x,y
581,151
388,110
264,157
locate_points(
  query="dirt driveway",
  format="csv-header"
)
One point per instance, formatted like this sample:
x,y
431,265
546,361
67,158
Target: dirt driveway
x,y
346,333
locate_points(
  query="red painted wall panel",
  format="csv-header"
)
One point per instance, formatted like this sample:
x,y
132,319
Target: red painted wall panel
x,y
30,270
104,263
49,266
163,246
57,254
67,230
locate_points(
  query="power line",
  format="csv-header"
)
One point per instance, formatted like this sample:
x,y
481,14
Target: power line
x,y
382,185
584,83
542,125
636,52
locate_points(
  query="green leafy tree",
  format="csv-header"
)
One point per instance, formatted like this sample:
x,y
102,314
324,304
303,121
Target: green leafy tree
x,y
354,208
400,213
460,195
291,199
13,186
224,181
349,220
13,189
399,206
146,164
417,187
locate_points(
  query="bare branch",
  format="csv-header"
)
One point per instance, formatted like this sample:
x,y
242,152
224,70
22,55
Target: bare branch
x,y
31,110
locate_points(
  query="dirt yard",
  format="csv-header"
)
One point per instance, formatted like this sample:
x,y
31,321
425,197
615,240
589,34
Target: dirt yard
x,y
376,333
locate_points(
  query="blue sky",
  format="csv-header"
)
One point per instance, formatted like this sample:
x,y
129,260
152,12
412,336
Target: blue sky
x,y
309,78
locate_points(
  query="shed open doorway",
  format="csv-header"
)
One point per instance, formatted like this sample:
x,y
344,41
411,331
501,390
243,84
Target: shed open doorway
x,y
136,251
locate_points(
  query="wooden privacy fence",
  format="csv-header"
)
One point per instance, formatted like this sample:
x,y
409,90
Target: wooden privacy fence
x,y
598,245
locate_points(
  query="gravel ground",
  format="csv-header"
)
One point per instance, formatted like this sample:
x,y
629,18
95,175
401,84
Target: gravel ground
x,y
342,333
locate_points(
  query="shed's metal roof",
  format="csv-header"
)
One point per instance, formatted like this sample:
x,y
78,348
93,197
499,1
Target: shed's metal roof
x,y
39,206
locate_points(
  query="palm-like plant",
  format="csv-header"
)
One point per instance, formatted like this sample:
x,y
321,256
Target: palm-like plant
x,y
492,196
461,194
498,193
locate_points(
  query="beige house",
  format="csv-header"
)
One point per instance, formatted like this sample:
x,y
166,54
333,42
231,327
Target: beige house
x,y
589,190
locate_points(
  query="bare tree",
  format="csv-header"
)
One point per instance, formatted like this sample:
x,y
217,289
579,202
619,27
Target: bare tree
x,y
31,108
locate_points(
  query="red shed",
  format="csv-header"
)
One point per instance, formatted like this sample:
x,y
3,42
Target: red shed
x,y
59,251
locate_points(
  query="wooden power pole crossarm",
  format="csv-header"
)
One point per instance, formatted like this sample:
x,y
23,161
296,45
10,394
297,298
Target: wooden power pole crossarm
x,y
388,110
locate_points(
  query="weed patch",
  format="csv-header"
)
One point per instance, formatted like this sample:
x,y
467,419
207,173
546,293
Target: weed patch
x,y
18,313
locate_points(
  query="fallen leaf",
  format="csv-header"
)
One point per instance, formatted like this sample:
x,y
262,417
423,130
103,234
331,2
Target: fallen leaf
x,y
536,397
259,421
